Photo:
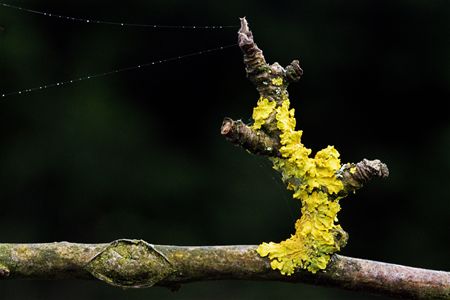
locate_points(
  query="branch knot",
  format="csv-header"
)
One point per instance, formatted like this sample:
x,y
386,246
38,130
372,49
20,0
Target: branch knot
x,y
130,263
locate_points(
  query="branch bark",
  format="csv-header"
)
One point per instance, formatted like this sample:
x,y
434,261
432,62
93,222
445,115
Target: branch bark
x,y
136,263
242,135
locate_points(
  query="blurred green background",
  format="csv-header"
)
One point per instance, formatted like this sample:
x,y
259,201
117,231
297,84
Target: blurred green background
x,y
139,154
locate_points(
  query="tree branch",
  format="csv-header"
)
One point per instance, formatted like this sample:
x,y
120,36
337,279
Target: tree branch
x,y
266,141
242,135
135,263
344,272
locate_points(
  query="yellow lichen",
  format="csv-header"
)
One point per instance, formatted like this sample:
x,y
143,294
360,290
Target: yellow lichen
x,y
262,111
314,183
277,81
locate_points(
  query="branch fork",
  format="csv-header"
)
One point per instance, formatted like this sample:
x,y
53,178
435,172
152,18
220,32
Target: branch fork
x,y
266,141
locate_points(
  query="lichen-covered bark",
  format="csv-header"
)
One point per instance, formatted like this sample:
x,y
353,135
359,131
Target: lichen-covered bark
x,y
258,142
130,263
353,176
46,261
266,141
135,263
318,180
260,72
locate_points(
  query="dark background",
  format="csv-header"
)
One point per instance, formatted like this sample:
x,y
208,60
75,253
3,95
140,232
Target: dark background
x,y
139,154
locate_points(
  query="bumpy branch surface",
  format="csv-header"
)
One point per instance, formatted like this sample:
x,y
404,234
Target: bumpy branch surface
x,y
240,134
135,263
266,142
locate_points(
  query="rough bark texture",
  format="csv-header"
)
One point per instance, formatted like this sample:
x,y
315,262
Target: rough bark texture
x,y
136,263
266,141
240,134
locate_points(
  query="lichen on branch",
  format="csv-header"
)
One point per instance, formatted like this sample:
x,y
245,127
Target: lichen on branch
x,y
314,182
318,181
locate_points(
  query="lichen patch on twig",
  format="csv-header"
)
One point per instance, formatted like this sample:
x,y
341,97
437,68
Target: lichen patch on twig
x,y
319,181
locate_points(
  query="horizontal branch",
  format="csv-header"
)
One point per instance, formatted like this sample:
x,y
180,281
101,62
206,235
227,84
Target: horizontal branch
x,y
135,263
352,175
